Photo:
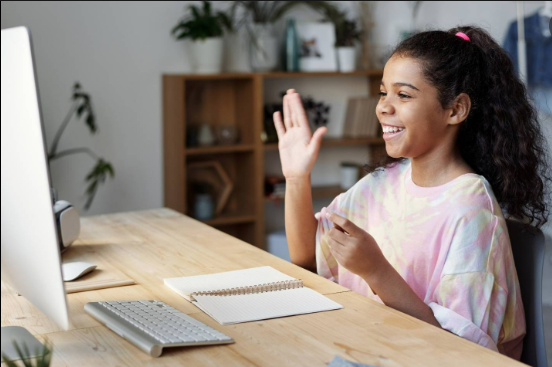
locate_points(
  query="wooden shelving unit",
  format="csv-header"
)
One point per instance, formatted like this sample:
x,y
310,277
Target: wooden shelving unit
x,y
234,99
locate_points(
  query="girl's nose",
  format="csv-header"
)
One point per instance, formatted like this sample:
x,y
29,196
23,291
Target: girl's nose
x,y
384,108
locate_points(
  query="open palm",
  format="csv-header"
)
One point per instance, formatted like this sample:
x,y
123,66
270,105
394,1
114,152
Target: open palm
x,y
298,147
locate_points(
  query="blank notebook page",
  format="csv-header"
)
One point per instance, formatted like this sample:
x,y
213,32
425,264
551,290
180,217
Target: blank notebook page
x,y
267,305
230,279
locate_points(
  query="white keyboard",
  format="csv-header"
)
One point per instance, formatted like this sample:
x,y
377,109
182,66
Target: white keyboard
x,y
152,325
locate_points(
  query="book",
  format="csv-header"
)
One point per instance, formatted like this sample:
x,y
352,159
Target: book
x,y
349,118
246,295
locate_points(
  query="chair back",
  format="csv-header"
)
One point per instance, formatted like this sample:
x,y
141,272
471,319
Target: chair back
x,y
528,251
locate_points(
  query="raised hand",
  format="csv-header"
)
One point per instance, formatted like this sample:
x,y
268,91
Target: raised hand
x,y
298,147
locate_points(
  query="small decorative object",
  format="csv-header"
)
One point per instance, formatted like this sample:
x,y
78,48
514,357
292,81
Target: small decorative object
x,y
317,113
228,135
316,46
291,54
349,175
205,30
213,173
264,49
204,207
82,106
258,17
205,136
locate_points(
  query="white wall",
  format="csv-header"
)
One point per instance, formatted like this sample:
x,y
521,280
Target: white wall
x,y
118,51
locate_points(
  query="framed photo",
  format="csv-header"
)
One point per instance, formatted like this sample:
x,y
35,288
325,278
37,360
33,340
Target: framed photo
x,y
316,46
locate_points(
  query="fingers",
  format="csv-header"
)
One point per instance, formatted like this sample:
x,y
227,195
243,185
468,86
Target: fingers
x,y
316,140
280,130
287,113
298,114
336,250
343,223
339,236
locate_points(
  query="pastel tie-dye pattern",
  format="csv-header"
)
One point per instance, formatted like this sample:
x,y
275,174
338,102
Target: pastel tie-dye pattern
x,y
451,245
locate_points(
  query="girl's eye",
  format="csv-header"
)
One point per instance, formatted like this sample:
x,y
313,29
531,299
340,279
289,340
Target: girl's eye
x,y
400,95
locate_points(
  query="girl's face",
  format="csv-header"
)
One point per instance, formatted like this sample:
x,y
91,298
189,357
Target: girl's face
x,y
407,101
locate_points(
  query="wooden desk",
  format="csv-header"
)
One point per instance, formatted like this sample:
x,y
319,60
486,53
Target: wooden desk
x,y
148,246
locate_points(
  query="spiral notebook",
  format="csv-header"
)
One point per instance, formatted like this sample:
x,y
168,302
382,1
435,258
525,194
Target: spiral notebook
x,y
250,295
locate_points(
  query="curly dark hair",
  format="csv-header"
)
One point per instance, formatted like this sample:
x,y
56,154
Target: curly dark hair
x,y
501,138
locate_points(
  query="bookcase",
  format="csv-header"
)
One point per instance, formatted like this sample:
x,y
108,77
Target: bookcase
x,y
236,100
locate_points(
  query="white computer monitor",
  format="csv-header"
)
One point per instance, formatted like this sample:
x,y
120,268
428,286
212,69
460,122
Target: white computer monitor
x,y
31,261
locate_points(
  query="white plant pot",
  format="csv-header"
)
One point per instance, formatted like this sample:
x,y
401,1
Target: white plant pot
x,y
346,57
264,55
206,55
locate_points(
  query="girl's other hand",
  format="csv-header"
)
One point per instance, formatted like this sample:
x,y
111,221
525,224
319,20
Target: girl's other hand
x,y
355,249
298,148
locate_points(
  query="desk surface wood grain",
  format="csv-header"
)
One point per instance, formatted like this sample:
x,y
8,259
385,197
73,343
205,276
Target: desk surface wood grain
x,y
148,246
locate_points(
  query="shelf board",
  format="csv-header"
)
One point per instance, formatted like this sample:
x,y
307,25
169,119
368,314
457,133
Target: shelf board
x,y
339,142
318,192
220,149
231,218
303,74
277,74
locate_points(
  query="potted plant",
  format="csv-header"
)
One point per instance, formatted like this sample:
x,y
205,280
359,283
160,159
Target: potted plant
x,y
346,35
259,18
205,30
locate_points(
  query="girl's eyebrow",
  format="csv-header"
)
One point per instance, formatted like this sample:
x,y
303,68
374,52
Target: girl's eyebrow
x,y
399,84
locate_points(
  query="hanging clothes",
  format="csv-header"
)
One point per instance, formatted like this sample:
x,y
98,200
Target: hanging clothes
x,y
538,47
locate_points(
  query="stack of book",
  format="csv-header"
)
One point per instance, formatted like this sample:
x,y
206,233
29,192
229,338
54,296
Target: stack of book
x,y
360,118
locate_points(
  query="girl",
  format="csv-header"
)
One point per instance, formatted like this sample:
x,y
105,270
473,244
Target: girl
x,y
426,234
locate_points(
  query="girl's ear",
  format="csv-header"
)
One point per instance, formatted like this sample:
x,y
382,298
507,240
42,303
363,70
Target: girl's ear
x,y
460,109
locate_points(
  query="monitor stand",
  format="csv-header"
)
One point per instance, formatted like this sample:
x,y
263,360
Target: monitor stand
x,y
25,340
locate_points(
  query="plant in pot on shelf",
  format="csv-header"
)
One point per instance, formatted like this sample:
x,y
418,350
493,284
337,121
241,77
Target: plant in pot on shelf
x,y
205,31
259,17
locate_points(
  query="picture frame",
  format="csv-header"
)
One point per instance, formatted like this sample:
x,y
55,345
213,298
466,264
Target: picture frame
x,y
316,46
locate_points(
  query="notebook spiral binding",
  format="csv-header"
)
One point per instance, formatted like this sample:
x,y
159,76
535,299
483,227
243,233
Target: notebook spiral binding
x,y
259,288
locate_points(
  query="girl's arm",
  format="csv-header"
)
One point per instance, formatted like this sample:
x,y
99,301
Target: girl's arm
x,y
300,223
357,251
393,290
298,151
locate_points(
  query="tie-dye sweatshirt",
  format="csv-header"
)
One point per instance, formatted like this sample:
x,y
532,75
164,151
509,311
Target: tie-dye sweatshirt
x,y
450,243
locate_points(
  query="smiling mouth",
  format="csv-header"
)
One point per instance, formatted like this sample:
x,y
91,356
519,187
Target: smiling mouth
x,y
391,135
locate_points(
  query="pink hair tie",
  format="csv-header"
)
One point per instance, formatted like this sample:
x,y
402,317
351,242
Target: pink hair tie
x,y
463,35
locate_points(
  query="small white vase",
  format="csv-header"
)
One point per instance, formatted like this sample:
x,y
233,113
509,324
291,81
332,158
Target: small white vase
x,y
264,55
205,136
236,53
346,58
206,55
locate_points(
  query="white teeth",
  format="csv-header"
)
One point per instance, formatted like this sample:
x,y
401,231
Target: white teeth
x,y
388,129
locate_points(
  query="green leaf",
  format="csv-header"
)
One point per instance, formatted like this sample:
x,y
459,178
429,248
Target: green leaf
x,y
206,8
91,122
195,12
80,110
95,177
